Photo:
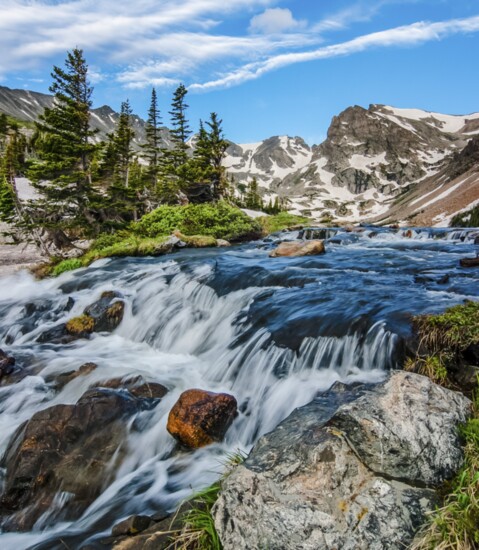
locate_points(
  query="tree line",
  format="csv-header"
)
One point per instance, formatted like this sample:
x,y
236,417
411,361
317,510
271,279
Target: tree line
x,y
86,186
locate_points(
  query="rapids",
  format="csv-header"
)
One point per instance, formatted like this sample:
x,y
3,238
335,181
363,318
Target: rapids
x,y
272,332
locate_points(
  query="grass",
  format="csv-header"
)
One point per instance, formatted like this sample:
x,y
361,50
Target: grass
x,y
455,525
283,220
442,339
198,225
198,531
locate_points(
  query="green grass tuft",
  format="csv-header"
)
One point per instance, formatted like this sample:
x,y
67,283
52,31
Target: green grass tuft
x,y
283,220
66,265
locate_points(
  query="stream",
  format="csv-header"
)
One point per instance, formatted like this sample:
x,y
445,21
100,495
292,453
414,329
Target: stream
x,y
273,332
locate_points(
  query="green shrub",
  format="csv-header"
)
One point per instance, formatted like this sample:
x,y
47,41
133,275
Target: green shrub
x,y
219,220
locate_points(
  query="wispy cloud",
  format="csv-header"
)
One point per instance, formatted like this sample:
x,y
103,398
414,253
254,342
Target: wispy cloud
x,y
408,35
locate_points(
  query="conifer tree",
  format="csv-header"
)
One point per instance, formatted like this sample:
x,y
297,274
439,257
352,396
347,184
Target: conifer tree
x,y
63,174
152,147
253,198
180,131
217,149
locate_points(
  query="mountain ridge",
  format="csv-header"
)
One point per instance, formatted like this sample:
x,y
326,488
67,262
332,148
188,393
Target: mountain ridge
x,y
375,164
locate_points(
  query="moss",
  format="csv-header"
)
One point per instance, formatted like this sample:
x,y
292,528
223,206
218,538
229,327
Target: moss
x,y
81,324
66,265
153,246
283,220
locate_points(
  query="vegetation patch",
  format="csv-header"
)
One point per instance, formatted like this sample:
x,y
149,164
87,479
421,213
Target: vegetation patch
x,y
454,526
198,530
466,219
219,220
283,220
443,340
66,265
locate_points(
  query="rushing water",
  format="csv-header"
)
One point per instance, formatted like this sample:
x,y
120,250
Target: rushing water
x,y
272,332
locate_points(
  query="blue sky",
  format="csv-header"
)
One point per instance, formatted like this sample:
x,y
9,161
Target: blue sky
x,y
267,67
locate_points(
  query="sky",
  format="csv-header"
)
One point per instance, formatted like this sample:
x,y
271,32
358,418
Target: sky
x,y
267,67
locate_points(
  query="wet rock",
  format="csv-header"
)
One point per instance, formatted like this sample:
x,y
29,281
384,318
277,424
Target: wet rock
x,y
72,448
137,386
131,526
61,380
469,262
200,417
437,279
222,242
361,480
298,248
7,365
104,315
107,312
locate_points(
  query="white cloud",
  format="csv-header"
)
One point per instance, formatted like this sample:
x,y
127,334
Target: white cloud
x,y
408,35
274,20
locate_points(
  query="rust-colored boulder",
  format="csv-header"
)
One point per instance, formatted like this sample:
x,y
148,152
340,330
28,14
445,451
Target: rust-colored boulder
x,y
200,417
295,249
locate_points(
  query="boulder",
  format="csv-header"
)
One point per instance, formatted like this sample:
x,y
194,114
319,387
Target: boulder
x,y
222,242
200,417
360,478
72,448
59,381
294,249
136,385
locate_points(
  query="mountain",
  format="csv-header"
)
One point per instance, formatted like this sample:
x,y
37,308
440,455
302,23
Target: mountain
x,y
27,106
375,164
379,164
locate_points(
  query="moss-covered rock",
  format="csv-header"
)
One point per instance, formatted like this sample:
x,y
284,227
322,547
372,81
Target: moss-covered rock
x,y
283,220
81,325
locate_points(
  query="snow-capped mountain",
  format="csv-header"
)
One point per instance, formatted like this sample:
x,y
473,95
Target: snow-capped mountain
x,y
374,161
382,164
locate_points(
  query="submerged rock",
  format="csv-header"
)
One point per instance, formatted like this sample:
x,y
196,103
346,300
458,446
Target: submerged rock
x,y
104,315
200,417
7,365
74,449
362,480
298,248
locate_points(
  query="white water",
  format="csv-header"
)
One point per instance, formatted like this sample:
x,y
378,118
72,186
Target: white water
x,y
181,332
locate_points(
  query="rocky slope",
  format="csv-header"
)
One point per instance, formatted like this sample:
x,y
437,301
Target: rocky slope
x,y
379,164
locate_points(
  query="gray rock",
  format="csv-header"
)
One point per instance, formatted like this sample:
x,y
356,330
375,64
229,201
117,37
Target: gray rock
x,y
362,478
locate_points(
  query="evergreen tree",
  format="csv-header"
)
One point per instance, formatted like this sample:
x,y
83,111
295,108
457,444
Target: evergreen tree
x,y
253,198
122,139
217,149
180,131
63,174
152,147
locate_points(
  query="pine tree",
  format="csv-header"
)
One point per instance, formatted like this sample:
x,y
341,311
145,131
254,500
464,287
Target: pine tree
x,y
152,147
217,151
63,174
122,170
253,198
180,131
